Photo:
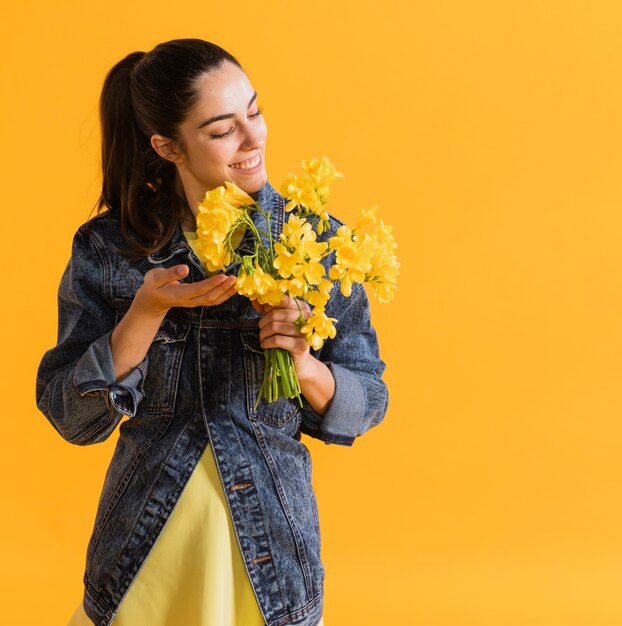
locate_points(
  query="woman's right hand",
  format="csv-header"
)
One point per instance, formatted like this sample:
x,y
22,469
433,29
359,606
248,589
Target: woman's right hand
x,y
161,290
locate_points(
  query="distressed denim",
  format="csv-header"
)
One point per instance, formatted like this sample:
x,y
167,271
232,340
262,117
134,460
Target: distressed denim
x,y
197,386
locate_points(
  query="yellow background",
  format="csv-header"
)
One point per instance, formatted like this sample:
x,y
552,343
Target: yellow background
x,y
490,135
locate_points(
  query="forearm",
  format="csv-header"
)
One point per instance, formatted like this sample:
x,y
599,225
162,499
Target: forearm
x,y
132,338
317,383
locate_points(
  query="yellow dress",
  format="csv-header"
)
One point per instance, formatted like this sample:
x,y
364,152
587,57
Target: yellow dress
x,y
195,573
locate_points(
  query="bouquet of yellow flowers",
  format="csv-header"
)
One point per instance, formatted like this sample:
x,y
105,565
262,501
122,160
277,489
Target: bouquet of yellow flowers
x,y
292,264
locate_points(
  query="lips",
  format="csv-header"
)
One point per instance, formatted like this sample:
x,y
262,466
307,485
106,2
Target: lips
x,y
248,163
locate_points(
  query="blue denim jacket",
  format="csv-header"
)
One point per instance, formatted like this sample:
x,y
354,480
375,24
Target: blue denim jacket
x,y
197,386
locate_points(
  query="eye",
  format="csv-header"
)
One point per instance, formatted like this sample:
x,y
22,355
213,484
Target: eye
x,y
223,134
257,114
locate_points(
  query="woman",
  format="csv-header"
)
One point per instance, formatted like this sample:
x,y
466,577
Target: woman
x,y
144,332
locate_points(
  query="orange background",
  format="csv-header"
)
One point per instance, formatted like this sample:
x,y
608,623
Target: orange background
x,y
489,133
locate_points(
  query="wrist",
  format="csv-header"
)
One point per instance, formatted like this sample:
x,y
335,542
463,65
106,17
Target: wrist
x,y
132,336
317,383
307,366
141,308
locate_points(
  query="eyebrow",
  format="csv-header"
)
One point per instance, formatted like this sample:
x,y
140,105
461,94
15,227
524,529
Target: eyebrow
x,y
225,116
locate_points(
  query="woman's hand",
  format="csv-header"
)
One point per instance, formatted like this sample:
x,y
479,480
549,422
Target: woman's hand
x,y
277,326
161,290
277,330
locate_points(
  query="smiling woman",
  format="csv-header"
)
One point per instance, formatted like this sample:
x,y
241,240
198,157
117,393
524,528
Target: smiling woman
x,y
207,515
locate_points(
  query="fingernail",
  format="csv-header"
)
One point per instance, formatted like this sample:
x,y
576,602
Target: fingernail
x,y
182,269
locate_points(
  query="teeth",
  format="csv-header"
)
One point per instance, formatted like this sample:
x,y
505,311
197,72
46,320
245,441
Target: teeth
x,y
244,165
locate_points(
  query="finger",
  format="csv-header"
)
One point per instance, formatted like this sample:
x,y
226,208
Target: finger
x,y
295,345
306,308
258,307
225,296
279,315
188,291
286,303
279,328
211,296
162,276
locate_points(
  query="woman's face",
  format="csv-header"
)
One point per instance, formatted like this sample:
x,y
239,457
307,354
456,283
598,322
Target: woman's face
x,y
224,136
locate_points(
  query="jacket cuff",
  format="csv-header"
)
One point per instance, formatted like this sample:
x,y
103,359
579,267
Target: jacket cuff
x,y
95,375
339,423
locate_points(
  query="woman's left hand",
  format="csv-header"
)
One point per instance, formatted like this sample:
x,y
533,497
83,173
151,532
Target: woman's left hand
x,y
277,328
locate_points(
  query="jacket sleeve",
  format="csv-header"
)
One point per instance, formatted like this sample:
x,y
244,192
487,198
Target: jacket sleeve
x,y
76,387
361,397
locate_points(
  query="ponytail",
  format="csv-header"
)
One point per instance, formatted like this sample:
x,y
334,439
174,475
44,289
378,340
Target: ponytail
x,y
136,182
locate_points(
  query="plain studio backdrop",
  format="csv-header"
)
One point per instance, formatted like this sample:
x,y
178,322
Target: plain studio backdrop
x,y
490,135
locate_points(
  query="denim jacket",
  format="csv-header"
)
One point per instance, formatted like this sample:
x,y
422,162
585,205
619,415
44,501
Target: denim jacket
x,y
197,386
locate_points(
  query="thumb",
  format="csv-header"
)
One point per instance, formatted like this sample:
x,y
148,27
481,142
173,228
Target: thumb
x,y
258,307
160,276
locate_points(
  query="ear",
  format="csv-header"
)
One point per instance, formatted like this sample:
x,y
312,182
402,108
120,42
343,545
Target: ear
x,y
166,148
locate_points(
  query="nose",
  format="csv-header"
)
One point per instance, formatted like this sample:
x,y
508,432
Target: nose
x,y
254,136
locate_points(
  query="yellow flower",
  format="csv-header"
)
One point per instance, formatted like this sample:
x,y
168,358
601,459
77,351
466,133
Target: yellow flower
x,y
258,286
313,272
287,262
321,171
318,328
292,188
342,237
295,287
295,229
212,229
352,258
385,292
367,216
313,249
384,267
319,299
272,297
218,214
235,196
344,277
323,223
298,253
325,286
312,190
384,234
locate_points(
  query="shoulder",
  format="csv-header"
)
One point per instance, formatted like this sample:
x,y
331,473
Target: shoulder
x,y
100,228
103,235
97,252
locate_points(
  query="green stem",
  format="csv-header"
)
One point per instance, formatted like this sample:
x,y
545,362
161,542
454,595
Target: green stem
x,y
279,379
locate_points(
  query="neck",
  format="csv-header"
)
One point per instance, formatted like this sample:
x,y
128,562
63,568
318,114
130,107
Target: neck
x,y
189,221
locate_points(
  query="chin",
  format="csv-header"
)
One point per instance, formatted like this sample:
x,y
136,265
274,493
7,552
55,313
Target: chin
x,y
254,185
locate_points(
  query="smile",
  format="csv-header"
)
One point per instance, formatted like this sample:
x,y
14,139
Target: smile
x,y
248,164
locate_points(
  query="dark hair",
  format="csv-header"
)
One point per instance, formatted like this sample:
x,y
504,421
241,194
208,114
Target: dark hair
x,y
149,93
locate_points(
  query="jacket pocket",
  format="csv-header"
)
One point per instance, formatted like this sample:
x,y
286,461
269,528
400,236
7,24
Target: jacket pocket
x,y
164,365
277,413
164,359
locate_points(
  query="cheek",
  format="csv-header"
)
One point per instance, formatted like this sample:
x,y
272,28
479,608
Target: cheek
x,y
214,153
264,129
